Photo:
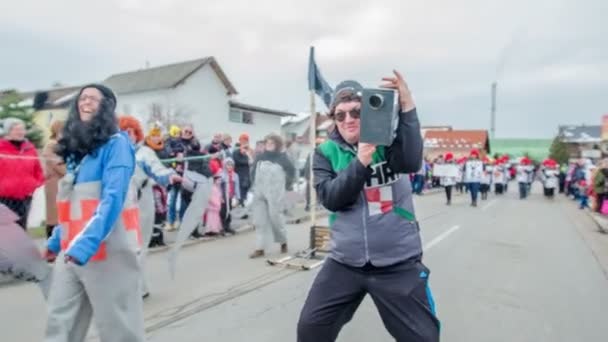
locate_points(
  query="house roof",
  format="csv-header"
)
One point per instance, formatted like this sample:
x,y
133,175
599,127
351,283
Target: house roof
x,y
163,77
59,97
295,120
55,97
580,134
457,139
243,106
324,125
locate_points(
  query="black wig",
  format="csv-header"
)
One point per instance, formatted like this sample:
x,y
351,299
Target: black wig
x,y
81,138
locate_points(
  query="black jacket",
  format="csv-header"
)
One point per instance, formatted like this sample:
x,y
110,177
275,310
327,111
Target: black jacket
x,y
339,190
241,166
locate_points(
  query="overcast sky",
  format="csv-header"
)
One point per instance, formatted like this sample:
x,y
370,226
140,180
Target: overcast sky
x,y
550,57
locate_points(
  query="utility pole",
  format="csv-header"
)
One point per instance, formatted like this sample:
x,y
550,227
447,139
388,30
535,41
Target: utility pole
x,y
493,112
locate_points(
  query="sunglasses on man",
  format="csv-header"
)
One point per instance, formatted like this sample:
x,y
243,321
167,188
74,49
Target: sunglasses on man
x,y
341,115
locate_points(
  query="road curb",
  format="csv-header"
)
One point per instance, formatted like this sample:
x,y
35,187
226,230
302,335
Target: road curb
x,y
243,229
306,217
601,222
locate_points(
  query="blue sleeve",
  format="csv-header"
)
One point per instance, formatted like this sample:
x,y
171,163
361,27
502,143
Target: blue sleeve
x,y
53,244
162,180
119,165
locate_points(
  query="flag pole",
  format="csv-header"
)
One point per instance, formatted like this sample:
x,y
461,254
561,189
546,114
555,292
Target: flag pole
x,y
313,138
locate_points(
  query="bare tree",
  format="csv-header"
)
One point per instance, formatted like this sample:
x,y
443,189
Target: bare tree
x,y
166,117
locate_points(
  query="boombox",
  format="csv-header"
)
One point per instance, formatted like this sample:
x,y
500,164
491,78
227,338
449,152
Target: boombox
x,y
379,116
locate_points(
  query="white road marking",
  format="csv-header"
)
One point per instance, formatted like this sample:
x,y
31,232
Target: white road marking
x,y
438,239
489,204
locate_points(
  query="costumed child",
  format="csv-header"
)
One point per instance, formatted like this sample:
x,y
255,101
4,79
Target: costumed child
x,y
231,191
449,182
213,222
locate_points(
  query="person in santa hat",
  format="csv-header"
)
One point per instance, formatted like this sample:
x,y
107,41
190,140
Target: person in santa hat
x,y
523,176
549,174
498,176
446,181
509,171
486,178
473,170
460,186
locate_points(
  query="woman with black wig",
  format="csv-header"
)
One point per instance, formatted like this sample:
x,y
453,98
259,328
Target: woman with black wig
x,y
98,228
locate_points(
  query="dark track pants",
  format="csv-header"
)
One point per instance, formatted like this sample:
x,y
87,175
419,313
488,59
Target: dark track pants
x,y
400,292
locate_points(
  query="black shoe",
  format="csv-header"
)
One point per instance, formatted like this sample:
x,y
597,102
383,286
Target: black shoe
x,y
230,231
145,295
196,235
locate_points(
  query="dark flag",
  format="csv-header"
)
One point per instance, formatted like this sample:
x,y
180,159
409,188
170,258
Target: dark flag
x,y
316,82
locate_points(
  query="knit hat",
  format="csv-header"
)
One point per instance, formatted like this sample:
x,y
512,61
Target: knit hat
x,y
244,137
345,86
474,153
449,156
7,124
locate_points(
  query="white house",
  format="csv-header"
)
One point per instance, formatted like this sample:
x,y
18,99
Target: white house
x,y
196,92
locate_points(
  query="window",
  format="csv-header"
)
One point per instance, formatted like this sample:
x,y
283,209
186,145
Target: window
x,y
248,118
235,115
239,116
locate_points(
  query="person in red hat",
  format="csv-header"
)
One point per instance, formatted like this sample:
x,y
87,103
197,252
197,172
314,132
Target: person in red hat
x,y
510,171
473,170
460,186
550,177
450,178
243,158
486,178
524,174
499,176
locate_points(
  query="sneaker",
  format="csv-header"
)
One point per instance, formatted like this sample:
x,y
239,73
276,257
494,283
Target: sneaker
x,y
258,253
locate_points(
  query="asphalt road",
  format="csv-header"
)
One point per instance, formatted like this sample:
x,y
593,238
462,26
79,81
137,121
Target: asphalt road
x,y
508,270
